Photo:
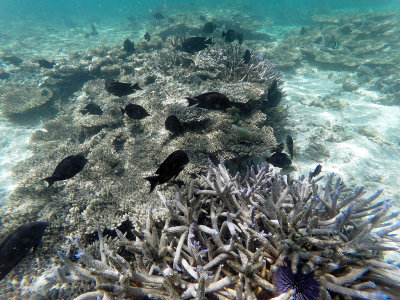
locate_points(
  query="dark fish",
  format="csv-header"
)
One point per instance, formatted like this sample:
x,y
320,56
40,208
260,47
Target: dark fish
x,y
158,16
4,75
67,168
135,111
289,144
279,159
43,63
18,244
173,124
247,56
209,27
229,35
92,109
93,32
274,94
15,60
196,125
129,47
239,37
195,44
211,100
169,169
147,37
278,149
318,40
150,79
120,88
316,172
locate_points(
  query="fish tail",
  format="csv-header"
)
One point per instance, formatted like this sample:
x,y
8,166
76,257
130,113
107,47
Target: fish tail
x,y
192,101
136,86
122,110
153,182
49,180
223,33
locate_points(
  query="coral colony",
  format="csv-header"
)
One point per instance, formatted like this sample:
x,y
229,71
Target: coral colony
x,y
260,236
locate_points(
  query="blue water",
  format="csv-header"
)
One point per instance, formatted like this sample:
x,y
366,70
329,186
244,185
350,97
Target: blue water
x,y
287,11
355,128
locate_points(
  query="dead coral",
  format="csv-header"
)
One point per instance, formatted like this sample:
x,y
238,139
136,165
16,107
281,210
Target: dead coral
x,y
229,237
20,99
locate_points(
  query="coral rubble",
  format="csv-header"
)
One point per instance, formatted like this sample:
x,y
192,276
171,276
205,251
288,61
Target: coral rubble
x,y
250,237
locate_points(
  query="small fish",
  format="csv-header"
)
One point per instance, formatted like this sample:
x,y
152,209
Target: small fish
x,y
120,88
196,125
289,144
229,35
195,44
135,111
316,172
158,16
211,100
67,168
93,32
129,47
173,125
150,79
239,37
209,27
247,56
335,45
18,244
169,168
279,159
92,109
147,36
318,40
43,63
274,94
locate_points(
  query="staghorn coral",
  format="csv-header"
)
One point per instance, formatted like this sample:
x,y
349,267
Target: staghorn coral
x,y
228,62
234,237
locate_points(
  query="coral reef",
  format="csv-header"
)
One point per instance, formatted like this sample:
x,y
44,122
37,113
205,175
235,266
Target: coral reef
x,y
249,237
228,63
364,44
23,99
121,152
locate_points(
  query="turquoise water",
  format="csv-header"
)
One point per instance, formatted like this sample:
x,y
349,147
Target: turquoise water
x,y
337,63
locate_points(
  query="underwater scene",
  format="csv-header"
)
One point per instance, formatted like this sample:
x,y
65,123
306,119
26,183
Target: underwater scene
x,y
199,149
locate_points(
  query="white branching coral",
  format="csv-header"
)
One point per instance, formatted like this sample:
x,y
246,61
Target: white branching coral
x,y
227,60
252,237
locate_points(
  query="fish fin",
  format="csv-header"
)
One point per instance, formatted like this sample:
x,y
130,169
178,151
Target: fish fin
x,y
136,86
192,101
153,182
122,110
209,41
49,180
